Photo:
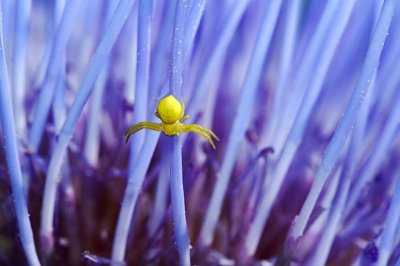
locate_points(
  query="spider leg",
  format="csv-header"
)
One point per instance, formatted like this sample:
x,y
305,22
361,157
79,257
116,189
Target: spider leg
x,y
142,125
184,118
190,128
202,129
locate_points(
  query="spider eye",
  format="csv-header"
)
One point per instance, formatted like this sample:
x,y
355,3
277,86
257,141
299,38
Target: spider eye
x,y
169,109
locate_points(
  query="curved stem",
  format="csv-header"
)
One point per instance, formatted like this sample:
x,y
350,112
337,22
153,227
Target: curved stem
x,y
349,118
100,56
12,158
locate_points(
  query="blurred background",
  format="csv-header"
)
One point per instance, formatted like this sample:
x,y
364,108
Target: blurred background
x,y
303,94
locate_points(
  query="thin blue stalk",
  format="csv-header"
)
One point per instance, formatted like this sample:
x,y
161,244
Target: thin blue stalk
x,y
387,243
320,73
330,230
357,227
12,158
304,74
177,51
389,82
378,155
19,81
59,104
59,110
175,147
269,193
286,57
142,77
349,118
19,75
66,133
193,19
40,74
48,88
92,143
135,183
161,51
160,204
59,8
326,203
397,234
59,115
296,134
130,46
335,215
362,122
229,25
178,201
131,195
8,22
241,120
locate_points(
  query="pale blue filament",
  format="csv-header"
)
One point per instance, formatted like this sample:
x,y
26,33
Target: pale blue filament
x,y
362,122
175,152
178,201
300,123
397,234
19,80
66,133
59,104
336,212
59,114
241,120
131,194
383,144
387,242
160,204
142,76
320,73
135,181
347,123
13,160
177,51
53,70
162,48
40,73
218,54
92,143
304,74
162,184
8,8
19,74
129,45
286,57
382,147
193,19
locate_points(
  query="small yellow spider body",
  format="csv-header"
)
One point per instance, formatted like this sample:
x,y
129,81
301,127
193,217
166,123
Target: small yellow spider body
x,y
172,114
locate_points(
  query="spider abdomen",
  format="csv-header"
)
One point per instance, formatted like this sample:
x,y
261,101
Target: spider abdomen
x,y
169,109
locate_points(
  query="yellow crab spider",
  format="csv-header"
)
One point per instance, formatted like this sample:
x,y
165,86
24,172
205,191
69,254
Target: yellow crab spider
x,y
172,114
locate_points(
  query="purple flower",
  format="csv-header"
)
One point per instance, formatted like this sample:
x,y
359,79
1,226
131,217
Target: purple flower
x,y
304,96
